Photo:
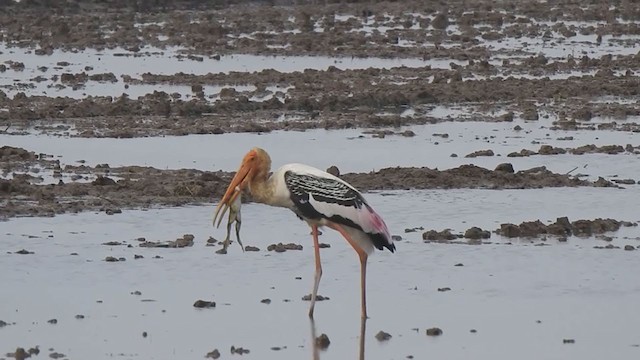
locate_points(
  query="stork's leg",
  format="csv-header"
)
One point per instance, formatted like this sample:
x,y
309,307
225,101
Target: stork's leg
x,y
363,264
238,224
318,275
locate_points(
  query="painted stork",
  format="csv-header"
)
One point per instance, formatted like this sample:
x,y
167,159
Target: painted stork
x,y
318,198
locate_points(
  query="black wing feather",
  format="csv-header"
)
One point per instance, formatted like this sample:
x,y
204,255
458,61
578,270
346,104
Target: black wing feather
x,y
302,186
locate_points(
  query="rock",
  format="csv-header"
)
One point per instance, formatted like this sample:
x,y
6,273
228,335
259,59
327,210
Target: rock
x,y
222,251
383,336
111,259
56,355
568,341
79,316
203,304
266,301
629,247
323,342
3,324
444,289
318,297
251,248
434,331
52,321
477,233
505,167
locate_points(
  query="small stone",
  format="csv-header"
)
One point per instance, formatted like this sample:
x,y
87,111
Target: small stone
x,y
568,341
323,342
459,264
629,247
144,334
203,304
111,259
473,331
443,289
383,336
251,248
434,331
3,324
137,292
266,301
136,256
221,251
79,316
318,298
53,321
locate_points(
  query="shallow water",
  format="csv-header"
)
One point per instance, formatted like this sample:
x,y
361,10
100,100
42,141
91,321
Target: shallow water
x,y
326,148
575,291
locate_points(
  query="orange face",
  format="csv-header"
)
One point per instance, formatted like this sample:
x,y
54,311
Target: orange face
x,y
239,182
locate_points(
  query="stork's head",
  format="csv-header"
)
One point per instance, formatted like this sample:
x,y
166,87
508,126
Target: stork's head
x,y
255,164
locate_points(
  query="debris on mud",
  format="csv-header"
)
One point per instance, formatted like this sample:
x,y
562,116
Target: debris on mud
x,y
204,304
323,342
382,336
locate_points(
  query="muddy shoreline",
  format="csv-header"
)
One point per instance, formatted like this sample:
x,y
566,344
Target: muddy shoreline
x,y
107,189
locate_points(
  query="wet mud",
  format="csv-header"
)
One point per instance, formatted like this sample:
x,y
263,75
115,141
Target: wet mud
x,y
471,41
143,187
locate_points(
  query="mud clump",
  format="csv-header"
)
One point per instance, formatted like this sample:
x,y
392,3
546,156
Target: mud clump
x,y
323,342
214,354
480,153
477,233
185,241
238,350
204,304
383,336
562,227
280,247
439,236
318,297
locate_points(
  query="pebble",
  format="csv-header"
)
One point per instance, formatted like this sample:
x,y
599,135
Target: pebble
x,y
434,331
323,342
204,304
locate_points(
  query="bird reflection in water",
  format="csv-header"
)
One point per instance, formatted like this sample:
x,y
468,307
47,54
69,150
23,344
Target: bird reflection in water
x,y
317,347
